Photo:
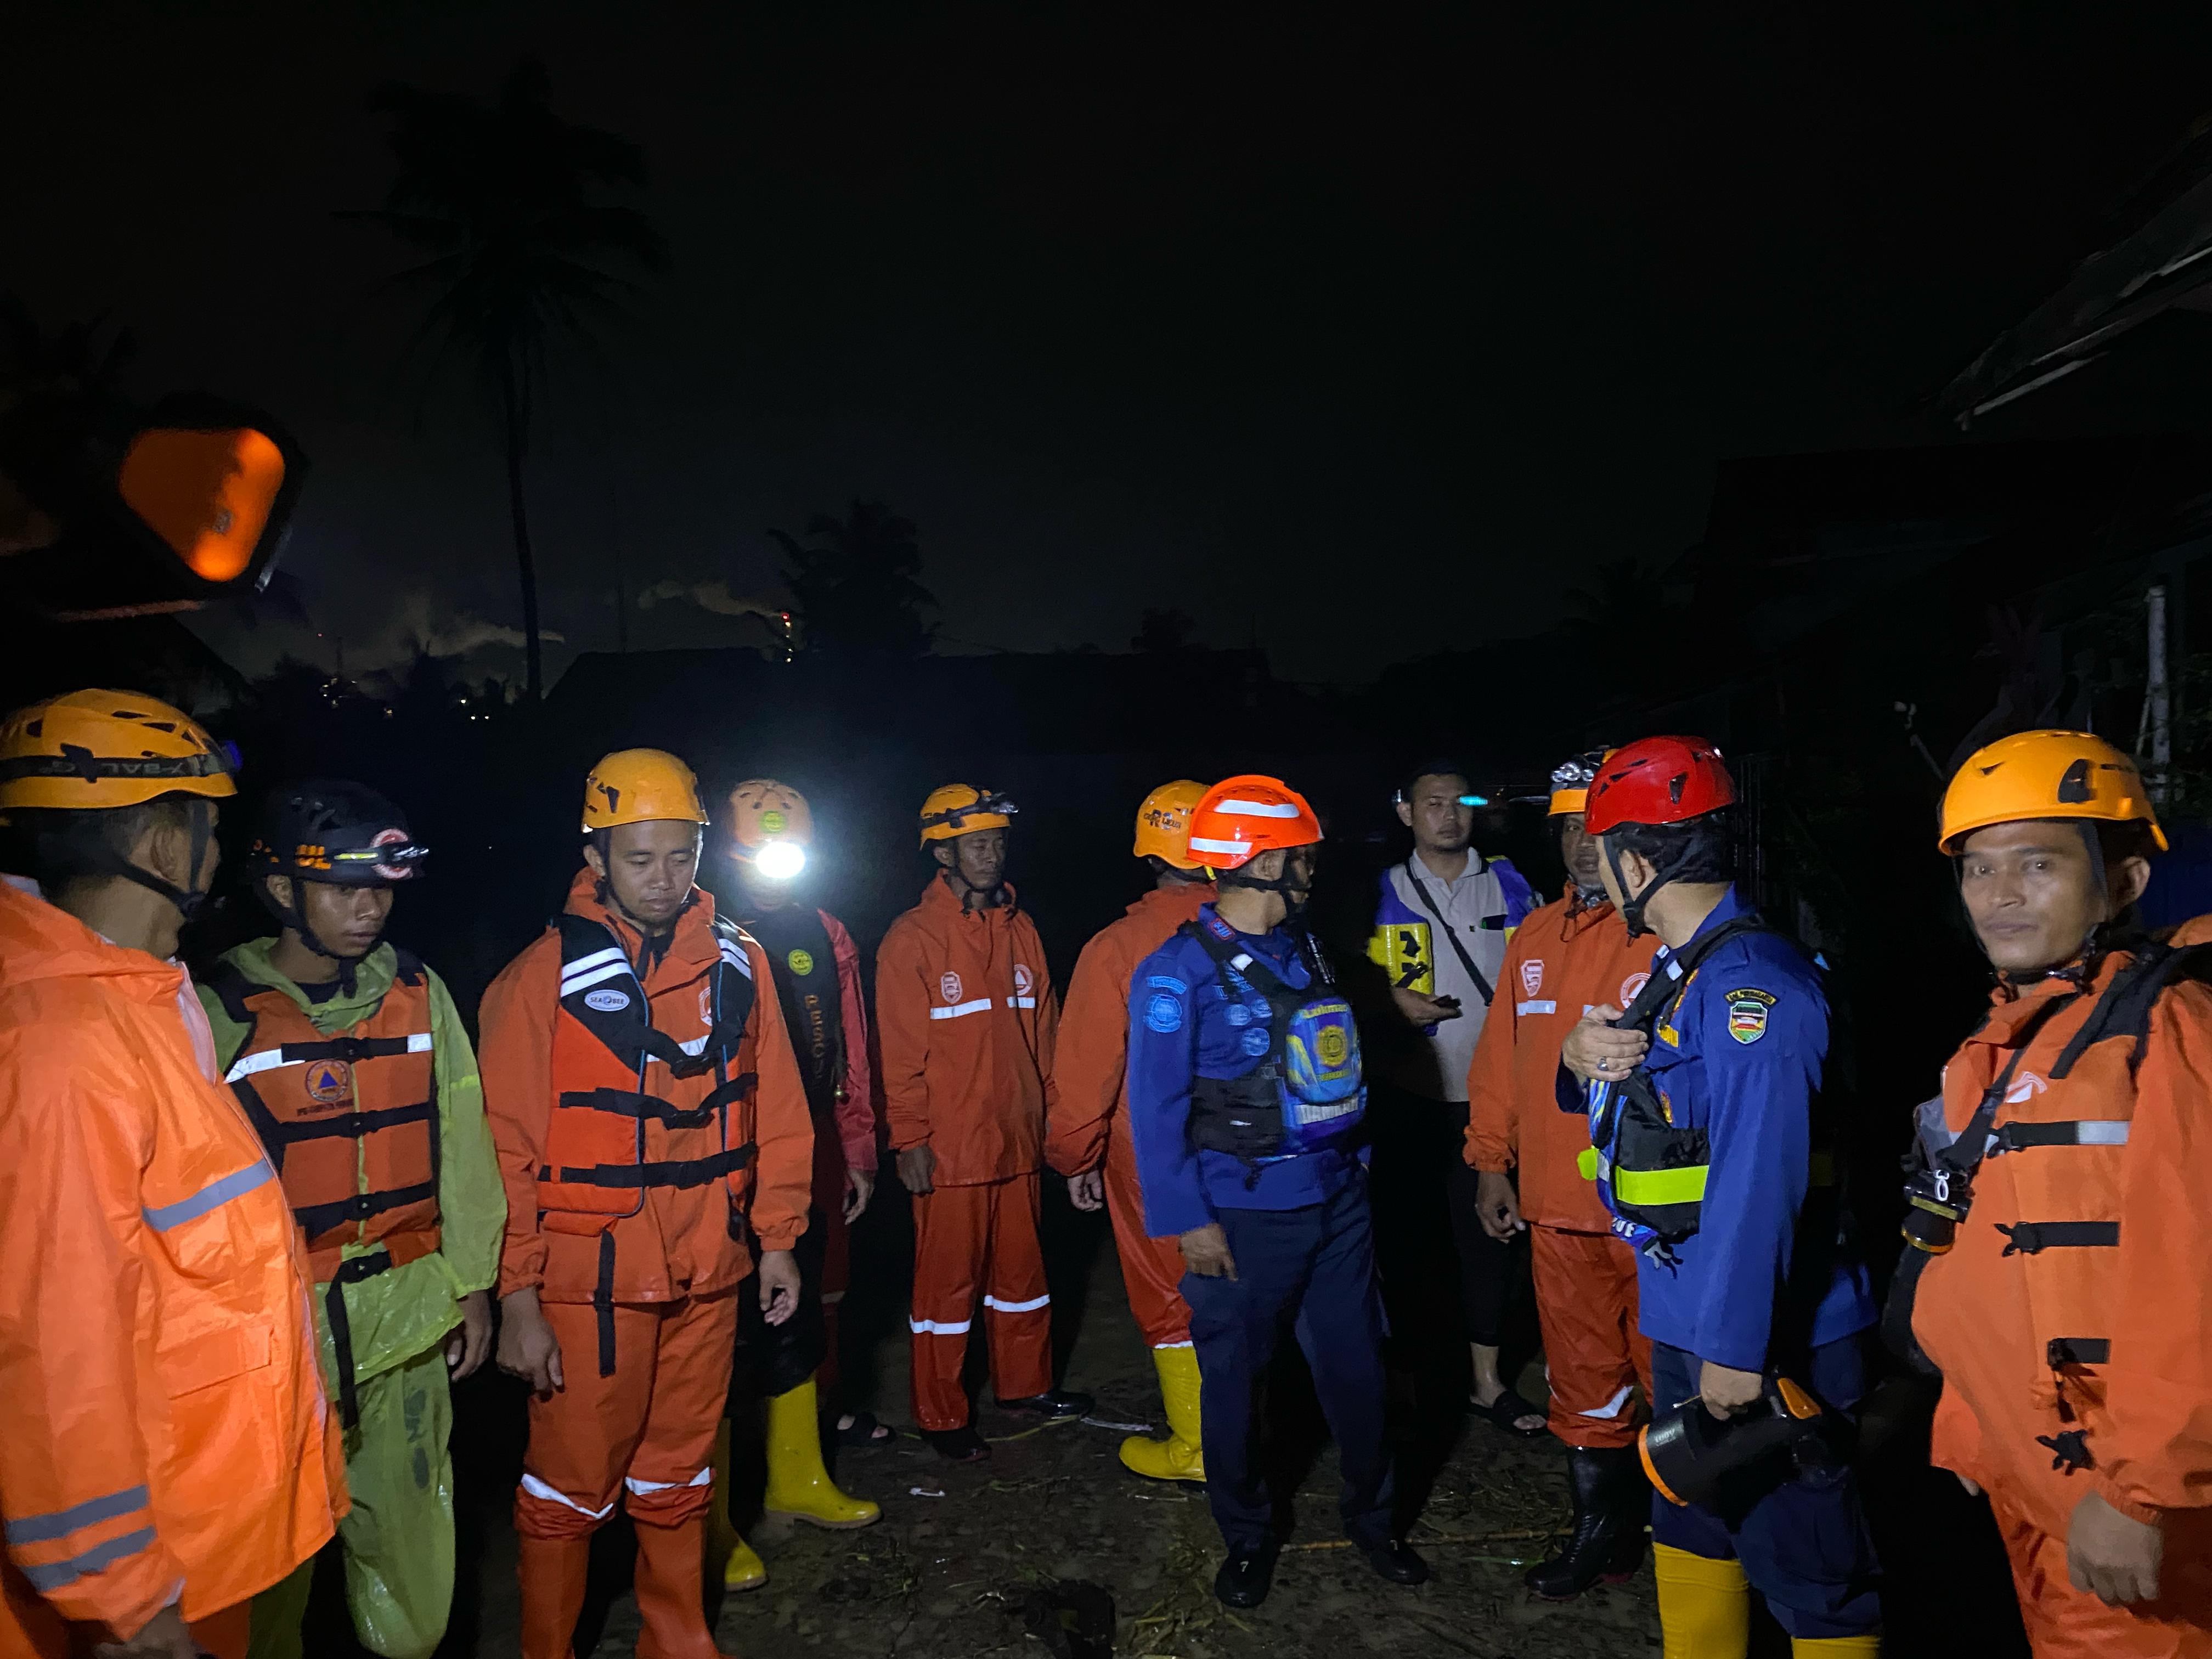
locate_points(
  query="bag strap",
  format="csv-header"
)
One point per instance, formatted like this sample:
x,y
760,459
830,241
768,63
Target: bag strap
x,y
1481,985
1964,1154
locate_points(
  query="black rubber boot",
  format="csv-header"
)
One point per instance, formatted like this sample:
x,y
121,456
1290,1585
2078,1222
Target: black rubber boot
x,y
1607,1540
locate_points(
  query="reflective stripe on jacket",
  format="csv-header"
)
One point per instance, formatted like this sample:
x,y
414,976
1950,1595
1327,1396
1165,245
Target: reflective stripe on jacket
x,y
966,1019
165,1424
2073,1302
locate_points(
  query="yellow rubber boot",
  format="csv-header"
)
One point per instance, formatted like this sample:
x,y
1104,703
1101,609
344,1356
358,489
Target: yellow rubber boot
x,y
1836,1647
1705,1606
1178,1457
798,1485
726,1552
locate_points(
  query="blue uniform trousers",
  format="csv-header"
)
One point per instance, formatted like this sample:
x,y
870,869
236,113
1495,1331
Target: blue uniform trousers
x,y
1313,1266
1802,1541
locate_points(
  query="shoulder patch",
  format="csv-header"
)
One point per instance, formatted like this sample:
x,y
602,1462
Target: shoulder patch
x,y
1164,1012
1167,982
1747,1009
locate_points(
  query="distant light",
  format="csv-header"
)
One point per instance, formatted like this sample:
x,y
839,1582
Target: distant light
x,y
781,860
1474,800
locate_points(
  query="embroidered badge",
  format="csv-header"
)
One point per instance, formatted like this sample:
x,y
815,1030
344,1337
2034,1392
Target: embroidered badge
x,y
1022,980
1255,1042
772,822
2026,1089
1746,1013
1532,977
1630,987
801,963
1163,1014
607,1002
948,985
1237,1014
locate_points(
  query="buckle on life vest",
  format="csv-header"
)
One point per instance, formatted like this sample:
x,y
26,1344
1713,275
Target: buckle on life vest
x,y
2070,1450
2033,1237
2063,1351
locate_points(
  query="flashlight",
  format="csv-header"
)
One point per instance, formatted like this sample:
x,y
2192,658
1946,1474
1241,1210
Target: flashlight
x,y
781,860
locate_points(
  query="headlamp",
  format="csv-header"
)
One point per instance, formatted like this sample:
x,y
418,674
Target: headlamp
x,y
781,860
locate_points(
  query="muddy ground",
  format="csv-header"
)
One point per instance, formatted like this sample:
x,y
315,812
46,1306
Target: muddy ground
x,y
947,1572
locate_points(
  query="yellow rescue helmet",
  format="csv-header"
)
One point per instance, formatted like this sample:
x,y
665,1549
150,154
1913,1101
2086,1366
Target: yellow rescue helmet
x,y
637,786
1571,780
1164,823
770,827
2045,774
95,749
962,808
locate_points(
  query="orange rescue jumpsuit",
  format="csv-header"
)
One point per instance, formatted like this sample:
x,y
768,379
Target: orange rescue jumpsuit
x,y
1089,1070
642,1431
166,1437
965,1019
2071,1362
1565,958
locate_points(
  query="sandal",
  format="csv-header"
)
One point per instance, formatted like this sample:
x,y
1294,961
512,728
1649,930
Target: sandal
x,y
1500,1413
863,1431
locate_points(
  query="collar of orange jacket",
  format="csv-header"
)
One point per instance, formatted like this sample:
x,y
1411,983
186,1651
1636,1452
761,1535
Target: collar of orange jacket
x,y
939,896
694,944
1183,899
2011,1005
1584,912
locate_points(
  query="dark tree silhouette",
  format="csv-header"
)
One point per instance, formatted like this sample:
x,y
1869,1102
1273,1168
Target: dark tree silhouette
x,y
1165,631
858,586
525,254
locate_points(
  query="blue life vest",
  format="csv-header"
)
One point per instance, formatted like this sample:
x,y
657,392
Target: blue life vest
x,y
1307,1092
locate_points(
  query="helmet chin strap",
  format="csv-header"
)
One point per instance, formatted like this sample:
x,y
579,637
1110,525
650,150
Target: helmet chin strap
x,y
1631,910
191,902
973,897
294,916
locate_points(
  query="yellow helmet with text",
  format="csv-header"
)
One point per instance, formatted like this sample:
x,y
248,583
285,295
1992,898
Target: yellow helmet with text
x,y
1164,823
95,749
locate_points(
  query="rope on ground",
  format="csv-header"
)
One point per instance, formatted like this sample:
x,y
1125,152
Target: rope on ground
x,y
1516,1536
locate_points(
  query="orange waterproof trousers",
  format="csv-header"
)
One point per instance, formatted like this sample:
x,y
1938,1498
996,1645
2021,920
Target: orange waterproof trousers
x,y
222,1635
980,1238
2065,1623
1594,1355
646,1433
1151,1268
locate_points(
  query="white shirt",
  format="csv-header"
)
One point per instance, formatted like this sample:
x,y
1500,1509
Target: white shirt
x,y
1435,1069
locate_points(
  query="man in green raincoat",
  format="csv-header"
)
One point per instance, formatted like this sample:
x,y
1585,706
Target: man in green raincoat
x,y
349,1058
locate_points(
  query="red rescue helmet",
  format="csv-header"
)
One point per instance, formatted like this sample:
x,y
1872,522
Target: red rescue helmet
x,y
1241,817
1657,781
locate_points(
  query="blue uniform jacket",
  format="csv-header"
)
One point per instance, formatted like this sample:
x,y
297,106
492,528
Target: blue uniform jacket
x,y
1183,1024
1741,1057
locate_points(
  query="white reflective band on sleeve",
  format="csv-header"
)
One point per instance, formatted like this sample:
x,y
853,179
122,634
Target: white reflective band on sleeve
x,y
1201,844
162,1217
1021,1002
267,1060
570,984
1184,1344
704,1478
1257,809
1031,1306
938,1327
2099,1132
736,959
1546,1006
597,959
980,1006
55,1575
538,1488
1610,1409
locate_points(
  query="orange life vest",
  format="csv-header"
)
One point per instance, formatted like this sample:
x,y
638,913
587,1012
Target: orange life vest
x,y
351,1120
609,1059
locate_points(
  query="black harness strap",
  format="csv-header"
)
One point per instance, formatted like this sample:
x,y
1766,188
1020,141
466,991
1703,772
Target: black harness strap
x,y
602,1300
629,1103
2033,1237
351,1272
354,1125
321,1217
347,1048
680,1172
2063,1351
2123,1010
2017,1136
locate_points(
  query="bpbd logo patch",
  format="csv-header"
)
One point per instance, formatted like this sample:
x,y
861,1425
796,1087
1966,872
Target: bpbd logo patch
x,y
801,963
330,1082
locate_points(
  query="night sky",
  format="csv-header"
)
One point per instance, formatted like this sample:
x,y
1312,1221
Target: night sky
x,y
1353,332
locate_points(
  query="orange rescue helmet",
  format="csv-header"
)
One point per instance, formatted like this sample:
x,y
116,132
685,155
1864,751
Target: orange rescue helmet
x,y
2045,774
1243,817
638,786
1164,823
1570,782
961,809
97,749
770,827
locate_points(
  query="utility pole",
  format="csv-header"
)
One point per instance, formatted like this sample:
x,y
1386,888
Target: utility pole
x,y
2157,700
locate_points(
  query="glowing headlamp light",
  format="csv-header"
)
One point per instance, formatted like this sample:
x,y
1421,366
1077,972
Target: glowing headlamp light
x,y
781,860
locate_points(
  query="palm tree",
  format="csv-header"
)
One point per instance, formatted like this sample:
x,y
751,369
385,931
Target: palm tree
x,y
857,586
505,199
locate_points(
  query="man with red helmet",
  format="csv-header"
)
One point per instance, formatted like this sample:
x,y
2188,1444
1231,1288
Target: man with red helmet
x,y
1706,1145
1245,1092
1087,1132
1563,958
